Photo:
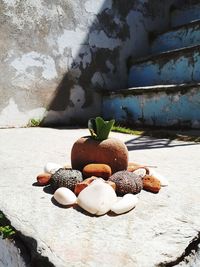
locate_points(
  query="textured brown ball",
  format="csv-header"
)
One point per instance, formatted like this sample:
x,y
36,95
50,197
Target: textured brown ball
x,y
126,182
111,151
66,178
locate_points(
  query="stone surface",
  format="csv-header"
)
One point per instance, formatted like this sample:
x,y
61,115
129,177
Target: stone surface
x,y
161,228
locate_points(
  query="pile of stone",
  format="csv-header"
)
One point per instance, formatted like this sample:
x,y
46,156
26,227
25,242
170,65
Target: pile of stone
x,y
97,190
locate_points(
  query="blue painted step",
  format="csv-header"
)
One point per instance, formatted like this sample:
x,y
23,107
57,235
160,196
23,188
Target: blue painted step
x,y
174,67
179,37
185,14
169,105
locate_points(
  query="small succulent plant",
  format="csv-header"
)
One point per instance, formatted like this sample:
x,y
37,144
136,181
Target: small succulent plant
x,y
6,231
99,128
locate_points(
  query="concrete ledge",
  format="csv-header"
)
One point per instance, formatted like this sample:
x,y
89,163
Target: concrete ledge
x,y
161,231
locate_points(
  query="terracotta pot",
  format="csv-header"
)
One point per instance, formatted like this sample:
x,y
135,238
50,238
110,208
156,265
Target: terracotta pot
x,y
110,151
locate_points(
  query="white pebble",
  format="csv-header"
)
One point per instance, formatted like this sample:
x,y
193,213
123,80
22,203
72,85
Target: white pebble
x,y
64,196
140,172
97,198
161,178
124,204
51,167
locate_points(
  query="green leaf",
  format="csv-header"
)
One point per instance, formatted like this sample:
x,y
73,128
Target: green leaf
x,y
103,128
92,127
6,231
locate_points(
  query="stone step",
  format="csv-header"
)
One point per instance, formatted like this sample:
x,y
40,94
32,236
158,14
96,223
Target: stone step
x,y
178,37
174,67
186,14
168,106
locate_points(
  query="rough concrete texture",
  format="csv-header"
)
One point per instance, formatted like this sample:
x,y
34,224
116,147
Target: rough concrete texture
x,y
161,231
54,54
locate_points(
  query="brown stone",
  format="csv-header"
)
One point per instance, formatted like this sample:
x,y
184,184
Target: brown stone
x,y
111,151
44,178
151,183
96,169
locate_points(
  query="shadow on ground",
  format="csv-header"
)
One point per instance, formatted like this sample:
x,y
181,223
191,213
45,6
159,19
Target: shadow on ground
x,y
146,142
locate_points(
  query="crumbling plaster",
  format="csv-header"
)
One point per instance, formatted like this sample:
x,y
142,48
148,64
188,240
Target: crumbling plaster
x,y
56,55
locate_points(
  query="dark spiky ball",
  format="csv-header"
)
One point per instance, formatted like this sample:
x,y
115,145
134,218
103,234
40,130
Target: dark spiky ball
x,y
126,182
66,178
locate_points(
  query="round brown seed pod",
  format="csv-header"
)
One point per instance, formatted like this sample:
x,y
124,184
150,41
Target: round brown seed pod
x,y
66,178
126,182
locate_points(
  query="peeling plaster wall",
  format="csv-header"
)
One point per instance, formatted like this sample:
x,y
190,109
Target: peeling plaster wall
x,y
55,55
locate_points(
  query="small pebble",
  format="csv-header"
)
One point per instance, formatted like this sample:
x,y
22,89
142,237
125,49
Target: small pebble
x,y
44,178
124,204
64,196
99,170
51,167
97,198
151,183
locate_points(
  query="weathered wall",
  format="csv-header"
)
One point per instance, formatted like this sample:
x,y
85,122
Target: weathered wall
x,y
55,54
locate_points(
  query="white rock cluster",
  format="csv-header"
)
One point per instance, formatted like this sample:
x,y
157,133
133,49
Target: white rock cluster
x,y
97,198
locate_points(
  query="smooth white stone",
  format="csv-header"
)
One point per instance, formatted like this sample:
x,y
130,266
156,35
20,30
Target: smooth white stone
x,y
161,178
140,172
51,167
97,198
124,204
64,196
